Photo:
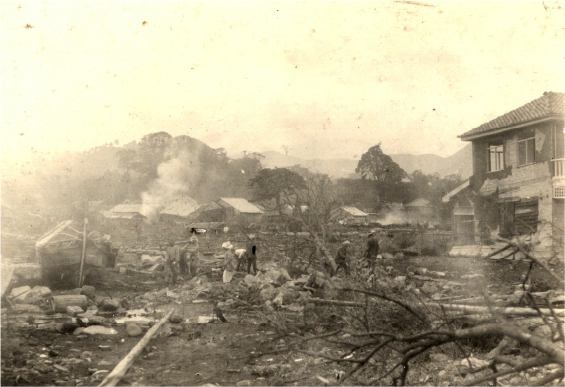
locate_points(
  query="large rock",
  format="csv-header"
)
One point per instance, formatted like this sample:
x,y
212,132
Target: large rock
x,y
73,310
268,293
276,277
421,271
250,279
134,330
388,256
429,288
19,294
288,295
176,318
109,305
88,291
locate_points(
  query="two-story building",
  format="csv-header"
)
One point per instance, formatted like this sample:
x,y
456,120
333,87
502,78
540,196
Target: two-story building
x,y
518,183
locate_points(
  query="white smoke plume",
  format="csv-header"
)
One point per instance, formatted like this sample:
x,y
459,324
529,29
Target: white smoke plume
x,y
176,179
393,217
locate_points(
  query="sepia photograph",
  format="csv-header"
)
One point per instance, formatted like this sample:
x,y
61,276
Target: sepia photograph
x,y
282,193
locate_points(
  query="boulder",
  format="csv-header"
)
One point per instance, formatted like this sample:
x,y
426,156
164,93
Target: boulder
x,y
276,277
268,293
109,305
88,291
249,279
388,256
20,293
176,318
429,288
288,295
398,256
73,310
421,271
401,280
134,330
97,320
39,291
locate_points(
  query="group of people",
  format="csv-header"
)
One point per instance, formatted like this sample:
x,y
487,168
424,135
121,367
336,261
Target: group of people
x,y
343,255
185,259
182,259
240,258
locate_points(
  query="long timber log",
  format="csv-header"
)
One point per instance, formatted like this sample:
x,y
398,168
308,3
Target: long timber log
x,y
123,366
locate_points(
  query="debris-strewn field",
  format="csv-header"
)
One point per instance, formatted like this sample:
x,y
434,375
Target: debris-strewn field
x,y
259,329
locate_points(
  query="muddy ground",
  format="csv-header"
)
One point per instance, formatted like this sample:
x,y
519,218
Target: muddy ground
x,y
243,351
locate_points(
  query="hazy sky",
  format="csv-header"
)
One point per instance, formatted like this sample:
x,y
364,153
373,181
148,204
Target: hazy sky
x,y
324,79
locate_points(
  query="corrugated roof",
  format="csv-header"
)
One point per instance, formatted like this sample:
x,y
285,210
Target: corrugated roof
x,y
242,205
122,215
181,207
354,211
128,207
550,104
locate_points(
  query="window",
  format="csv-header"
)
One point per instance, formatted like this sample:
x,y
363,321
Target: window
x,y
496,158
526,151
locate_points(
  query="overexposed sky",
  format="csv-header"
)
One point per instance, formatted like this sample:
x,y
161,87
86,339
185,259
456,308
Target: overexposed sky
x,y
325,79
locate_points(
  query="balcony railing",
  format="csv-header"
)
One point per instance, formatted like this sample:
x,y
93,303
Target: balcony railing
x,y
558,167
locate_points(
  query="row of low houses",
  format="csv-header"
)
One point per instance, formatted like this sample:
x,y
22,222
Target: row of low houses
x,y
188,210
518,186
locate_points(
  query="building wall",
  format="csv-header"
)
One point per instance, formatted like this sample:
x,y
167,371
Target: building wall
x,y
515,184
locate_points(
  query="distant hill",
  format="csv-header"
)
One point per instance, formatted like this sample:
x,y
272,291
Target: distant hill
x,y
458,163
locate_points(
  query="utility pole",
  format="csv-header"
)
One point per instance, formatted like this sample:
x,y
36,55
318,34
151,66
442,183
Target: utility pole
x,y
82,259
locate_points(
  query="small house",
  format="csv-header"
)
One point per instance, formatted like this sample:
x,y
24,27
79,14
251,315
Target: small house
x,y
349,215
181,210
239,210
460,203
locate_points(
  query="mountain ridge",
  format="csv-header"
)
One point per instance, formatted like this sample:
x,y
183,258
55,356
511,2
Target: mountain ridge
x,y
458,163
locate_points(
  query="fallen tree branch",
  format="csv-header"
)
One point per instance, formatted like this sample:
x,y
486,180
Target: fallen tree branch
x,y
508,311
336,302
539,262
538,361
391,299
499,251
123,366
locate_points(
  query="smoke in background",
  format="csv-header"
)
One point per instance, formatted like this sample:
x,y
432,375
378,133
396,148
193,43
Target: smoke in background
x,y
393,217
177,177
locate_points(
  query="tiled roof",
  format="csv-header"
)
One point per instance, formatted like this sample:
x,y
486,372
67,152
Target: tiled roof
x,y
241,205
549,104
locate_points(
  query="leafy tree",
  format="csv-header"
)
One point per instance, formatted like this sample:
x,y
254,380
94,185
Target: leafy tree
x,y
375,165
276,184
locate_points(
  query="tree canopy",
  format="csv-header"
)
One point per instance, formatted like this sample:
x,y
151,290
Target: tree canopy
x,y
275,183
377,166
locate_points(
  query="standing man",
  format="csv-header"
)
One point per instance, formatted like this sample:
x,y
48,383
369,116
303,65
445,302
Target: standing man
x,y
251,255
372,250
172,256
341,257
192,253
